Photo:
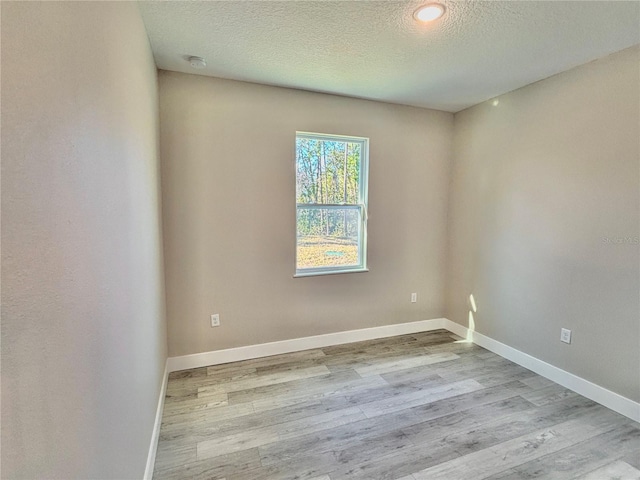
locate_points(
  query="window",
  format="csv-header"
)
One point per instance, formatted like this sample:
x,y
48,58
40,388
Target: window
x,y
331,204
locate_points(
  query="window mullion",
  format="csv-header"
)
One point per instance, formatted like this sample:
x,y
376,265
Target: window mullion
x,y
331,237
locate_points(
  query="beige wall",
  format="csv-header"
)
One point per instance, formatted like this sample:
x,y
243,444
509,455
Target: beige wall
x,y
228,189
83,335
539,182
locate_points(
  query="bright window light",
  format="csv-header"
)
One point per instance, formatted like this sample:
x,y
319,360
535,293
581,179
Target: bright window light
x,y
472,301
331,204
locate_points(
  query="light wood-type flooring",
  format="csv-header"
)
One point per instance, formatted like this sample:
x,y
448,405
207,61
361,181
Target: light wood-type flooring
x,y
412,407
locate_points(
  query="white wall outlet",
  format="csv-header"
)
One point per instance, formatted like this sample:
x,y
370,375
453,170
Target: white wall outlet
x,y
215,320
565,335
414,297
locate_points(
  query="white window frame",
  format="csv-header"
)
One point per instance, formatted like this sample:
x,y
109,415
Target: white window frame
x,y
361,205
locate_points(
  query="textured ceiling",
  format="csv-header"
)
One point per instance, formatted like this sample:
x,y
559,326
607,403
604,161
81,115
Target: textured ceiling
x,y
375,50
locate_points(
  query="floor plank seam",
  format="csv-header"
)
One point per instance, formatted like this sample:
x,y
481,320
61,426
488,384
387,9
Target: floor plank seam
x,y
402,408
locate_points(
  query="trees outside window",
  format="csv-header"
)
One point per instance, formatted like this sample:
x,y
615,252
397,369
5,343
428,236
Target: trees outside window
x,y
331,196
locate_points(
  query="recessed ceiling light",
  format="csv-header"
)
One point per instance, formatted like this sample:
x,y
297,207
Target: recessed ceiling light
x,y
197,62
429,13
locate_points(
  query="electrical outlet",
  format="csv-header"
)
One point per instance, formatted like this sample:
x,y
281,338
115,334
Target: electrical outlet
x,y
414,297
565,335
215,320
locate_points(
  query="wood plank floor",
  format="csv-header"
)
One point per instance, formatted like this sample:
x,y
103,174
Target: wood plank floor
x,y
412,407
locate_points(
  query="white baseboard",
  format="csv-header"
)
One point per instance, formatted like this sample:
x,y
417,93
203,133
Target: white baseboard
x,y
298,344
601,395
456,328
609,399
153,447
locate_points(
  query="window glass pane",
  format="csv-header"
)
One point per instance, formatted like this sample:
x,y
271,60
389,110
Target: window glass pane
x,y
328,237
354,152
327,171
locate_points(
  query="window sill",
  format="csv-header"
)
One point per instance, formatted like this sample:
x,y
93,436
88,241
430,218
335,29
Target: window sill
x,y
330,272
